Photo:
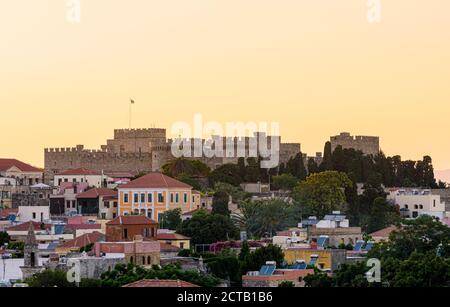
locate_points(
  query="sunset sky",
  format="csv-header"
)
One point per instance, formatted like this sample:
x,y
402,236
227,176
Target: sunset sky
x,y
316,67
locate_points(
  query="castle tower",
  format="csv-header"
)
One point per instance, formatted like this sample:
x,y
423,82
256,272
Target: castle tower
x,y
31,255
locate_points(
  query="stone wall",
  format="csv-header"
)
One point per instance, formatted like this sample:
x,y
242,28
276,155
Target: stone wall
x,y
135,151
369,145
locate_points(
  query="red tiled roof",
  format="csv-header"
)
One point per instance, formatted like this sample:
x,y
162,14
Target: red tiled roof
x,y
169,247
156,283
72,227
155,180
25,226
131,220
171,236
384,233
96,192
6,164
6,212
83,240
78,171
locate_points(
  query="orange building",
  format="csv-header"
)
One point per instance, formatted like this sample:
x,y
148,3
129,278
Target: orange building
x,y
153,194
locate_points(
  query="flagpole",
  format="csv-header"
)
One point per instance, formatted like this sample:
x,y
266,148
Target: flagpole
x,y
129,120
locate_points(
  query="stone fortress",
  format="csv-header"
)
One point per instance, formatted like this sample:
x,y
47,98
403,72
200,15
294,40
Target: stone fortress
x,y
369,145
139,150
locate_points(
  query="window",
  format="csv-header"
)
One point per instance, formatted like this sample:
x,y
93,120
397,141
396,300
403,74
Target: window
x,y
125,197
177,198
416,207
125,233
142,198
182,245
406,206
193,199
171,197
136,197
68,204
150,197
106,204
131,260
74,180
421,207
160,197
73,203
34,215
115,204
143,259
185,198
103,216
114,215
149,260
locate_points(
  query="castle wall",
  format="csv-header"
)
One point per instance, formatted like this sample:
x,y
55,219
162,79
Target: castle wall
x,y
369,145
138,150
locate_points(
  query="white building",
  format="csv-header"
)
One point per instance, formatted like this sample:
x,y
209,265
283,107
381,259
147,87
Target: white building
x,y
23,173
81,175
335,220
33,213
415,202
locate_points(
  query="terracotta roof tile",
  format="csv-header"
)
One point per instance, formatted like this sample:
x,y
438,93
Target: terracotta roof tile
x,y
169,248
25,226
156,180
4,213
384,233
131,220
96,192
6,164
84,240
171,236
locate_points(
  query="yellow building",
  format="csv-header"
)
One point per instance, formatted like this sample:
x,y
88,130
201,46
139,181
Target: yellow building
x,y
327,259
153,194
175,239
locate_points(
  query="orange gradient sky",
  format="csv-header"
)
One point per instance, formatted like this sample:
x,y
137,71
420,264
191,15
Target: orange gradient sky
x,y
316,67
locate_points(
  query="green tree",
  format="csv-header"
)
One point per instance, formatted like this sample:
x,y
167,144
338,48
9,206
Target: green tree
x,y
190,168
171,219
252,170
227,173
327,163
220,203
265,217
258,258
205,228
125,274
49,278
4,238
322,193
194,183
312,166
286,284
285,182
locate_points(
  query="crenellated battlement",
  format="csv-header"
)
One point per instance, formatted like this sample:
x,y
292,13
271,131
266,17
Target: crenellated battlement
x,y
139,133
369,145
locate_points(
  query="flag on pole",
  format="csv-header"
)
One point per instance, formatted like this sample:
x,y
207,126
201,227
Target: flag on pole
x,y
132,101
